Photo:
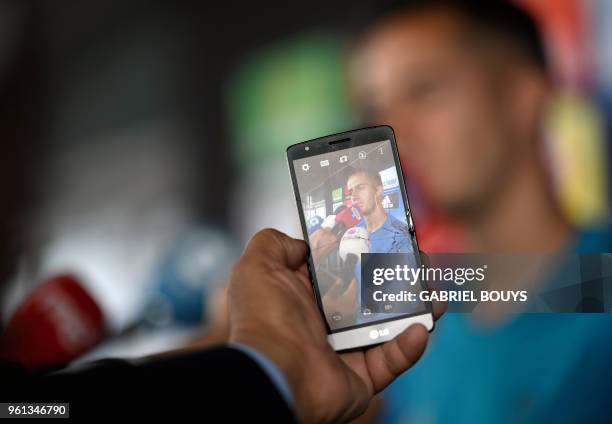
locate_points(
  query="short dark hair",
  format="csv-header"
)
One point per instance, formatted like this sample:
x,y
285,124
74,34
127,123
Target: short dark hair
x,y
494,17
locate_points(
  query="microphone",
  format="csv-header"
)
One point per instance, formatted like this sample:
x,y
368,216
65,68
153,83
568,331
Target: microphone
x,y
343,218
354,242
314,223
57,322
61,320
190,272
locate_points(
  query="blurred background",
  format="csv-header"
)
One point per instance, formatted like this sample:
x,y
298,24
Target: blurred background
x,y
151,136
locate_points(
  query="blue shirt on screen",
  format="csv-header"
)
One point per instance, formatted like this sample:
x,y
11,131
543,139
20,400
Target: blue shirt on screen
x,y
392,237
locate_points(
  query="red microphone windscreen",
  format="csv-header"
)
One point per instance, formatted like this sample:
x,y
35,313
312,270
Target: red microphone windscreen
x,y
57,322
349,216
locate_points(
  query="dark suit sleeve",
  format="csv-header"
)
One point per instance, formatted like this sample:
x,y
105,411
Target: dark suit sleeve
x,y
220,382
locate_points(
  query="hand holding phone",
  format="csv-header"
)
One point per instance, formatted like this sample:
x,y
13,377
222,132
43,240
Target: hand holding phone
x,y
270,300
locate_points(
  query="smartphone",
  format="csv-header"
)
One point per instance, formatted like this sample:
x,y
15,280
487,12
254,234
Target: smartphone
x,y
355,216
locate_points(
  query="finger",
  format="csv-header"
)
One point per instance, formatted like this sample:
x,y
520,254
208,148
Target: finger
x,y
389,360
301,274
303,270
278,247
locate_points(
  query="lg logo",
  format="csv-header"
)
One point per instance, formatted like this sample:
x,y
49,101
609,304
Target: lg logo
x,y
374,334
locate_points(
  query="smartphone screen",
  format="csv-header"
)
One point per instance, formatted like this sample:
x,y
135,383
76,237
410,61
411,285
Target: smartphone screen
x,y
355,214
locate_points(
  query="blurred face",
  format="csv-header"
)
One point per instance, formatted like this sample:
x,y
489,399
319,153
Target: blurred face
x,y
364,193
455,123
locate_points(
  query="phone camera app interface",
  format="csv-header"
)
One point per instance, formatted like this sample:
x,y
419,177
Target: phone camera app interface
x,y
356,220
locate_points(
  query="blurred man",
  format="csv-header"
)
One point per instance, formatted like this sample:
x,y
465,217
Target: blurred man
x,y
465,86
274,370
